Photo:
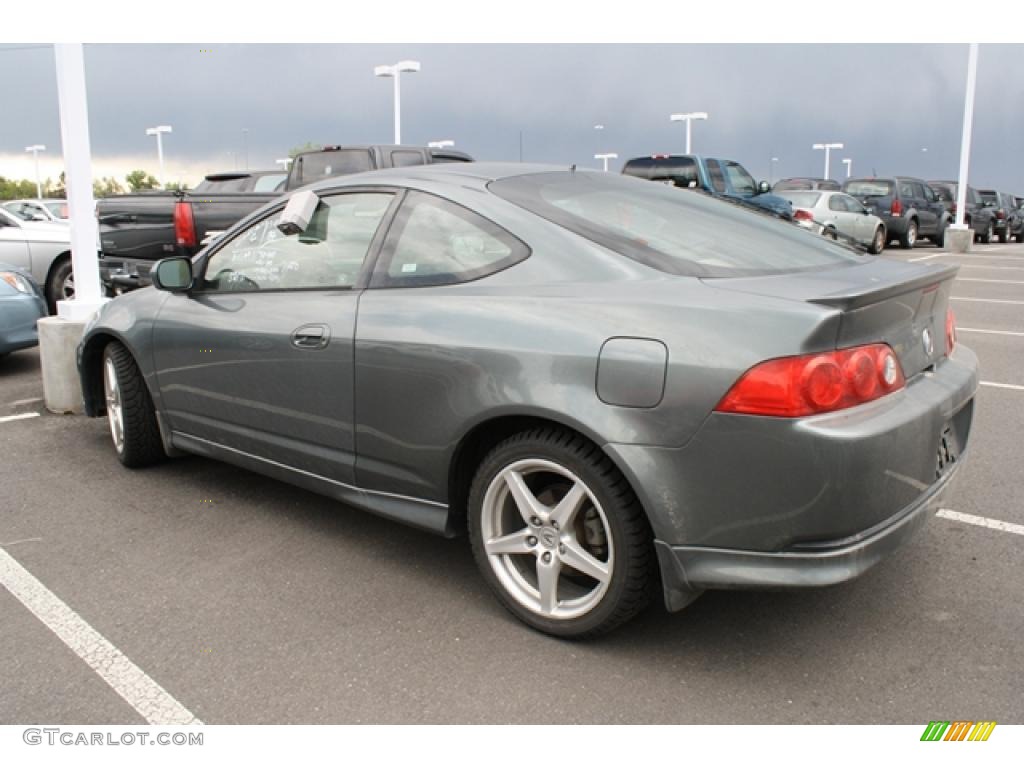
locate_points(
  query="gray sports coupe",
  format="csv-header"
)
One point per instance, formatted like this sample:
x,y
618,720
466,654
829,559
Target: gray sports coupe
x,y
609,384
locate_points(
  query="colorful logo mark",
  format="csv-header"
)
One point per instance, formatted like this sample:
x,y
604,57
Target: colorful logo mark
x,y
958,730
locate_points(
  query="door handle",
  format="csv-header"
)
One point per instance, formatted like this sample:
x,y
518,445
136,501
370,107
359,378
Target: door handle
x,y
311,336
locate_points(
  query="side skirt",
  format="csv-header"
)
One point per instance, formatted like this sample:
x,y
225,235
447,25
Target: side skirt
x,y
430,516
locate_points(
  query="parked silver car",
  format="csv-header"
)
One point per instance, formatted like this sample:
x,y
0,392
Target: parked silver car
x,y
599,378
835,215
45,209
44,250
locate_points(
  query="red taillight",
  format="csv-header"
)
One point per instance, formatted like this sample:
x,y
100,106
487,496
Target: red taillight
x,y
897,207
952,209
809,384
801,214
950,332
184,225
1000,214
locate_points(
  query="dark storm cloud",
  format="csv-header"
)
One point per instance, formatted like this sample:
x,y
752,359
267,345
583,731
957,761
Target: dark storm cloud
x,y
885,102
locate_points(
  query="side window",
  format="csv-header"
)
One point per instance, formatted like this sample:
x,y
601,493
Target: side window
x,y
401,158
929,193
436,242
717,178
837,203
329,254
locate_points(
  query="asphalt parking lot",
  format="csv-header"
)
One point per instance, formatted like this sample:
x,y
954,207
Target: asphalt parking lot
x,y
250,601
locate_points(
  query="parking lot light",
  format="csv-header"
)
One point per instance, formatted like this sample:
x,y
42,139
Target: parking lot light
x,y
159,131
395,71
606,157
35,149
827,148
688,117
771,168
965,136
848,162
441,144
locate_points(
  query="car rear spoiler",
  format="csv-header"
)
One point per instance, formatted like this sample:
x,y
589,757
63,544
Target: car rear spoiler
x,y
846,301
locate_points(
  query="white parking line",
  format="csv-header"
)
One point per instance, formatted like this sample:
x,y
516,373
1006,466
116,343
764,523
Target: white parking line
x,y
997,385
984,522
989,280
989,266
988,330
925,258
986,256
18,417
27,401
986,301
133,685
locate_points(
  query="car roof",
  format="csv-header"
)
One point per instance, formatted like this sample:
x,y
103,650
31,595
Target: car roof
x,y
455,173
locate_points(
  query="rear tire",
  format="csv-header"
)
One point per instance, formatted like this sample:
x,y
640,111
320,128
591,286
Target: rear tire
x,y
830,233
130,411
908,238
1004,236
60,284
987,237
536,559
877,242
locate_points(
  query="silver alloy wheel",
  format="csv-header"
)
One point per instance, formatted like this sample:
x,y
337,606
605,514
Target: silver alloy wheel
x,y
539,546
68,288
879,243
115,413
912,234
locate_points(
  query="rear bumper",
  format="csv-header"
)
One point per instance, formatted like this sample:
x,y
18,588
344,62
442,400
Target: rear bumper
x,y
686,571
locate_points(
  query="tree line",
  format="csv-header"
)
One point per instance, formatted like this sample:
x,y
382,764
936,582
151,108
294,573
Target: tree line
x,y
16,189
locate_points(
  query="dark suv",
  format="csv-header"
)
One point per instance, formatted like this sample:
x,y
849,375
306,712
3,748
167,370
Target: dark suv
x,y
1002,206
976,215
801,183
908,206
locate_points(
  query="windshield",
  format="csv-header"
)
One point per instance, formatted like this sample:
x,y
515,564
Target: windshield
x,y
670,230
868,188
741,181
58,208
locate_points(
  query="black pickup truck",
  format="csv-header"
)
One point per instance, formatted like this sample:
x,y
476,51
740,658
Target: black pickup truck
x,y
138,230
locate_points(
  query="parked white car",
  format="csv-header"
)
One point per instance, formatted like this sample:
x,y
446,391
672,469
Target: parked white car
x,y
835,214
43,249
39,210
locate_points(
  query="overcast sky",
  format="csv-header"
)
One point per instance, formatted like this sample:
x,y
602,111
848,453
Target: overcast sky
x,y
887,103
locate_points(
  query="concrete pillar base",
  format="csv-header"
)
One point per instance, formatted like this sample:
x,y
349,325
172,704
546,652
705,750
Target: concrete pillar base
x,y
58,345
959,239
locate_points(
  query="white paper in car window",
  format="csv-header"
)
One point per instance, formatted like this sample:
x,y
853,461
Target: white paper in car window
x,y
408,267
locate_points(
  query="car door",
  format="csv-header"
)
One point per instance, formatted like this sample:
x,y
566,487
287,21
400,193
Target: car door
x,y
258,358
415,371
925,208
862,226
13,247
838,216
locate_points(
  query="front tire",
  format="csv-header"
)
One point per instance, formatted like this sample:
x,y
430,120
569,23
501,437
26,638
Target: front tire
x,y
909,237
559,535
130,411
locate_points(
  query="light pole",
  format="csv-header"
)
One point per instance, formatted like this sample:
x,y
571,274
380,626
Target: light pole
x,y
606,157
395,71
284,161
771,169
848,162
827,148
245,147
158,132
965,138
35,149
688,117
441,144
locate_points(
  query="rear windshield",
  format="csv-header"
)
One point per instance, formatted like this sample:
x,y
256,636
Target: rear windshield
x,y
679,170
787,184
988,195
868,188
802,199
945,192
670,230
325,165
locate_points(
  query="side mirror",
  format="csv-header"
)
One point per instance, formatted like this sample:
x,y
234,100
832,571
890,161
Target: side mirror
x,y
174,274
763,187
